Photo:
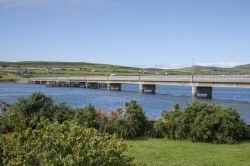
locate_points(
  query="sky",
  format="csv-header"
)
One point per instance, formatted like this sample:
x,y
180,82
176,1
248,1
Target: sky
x,y
163,33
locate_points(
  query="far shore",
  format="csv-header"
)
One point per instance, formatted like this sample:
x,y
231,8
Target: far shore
x,y
23,81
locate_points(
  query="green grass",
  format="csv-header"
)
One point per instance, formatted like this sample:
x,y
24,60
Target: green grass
x,y
163,152
7,78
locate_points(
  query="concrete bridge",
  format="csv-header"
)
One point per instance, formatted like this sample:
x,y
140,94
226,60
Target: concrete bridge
x,y
201,84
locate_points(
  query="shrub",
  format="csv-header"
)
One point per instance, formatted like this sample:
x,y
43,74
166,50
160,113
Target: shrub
x,y
247,132
27,112
158,129
135,118
64,144
201,122
168,125
218,125
128,122
62,112
1,149
86,116
4,125
4,107
36,103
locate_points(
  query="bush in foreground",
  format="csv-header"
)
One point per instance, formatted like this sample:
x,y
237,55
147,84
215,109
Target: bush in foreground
x,y
201,122
219,125
63,144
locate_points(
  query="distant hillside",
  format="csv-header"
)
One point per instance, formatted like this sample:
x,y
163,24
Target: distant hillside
x,y
242,69
10,71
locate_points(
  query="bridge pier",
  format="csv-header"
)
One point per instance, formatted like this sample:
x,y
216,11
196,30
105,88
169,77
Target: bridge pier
x,y
196,90
147,87
114,86
92,85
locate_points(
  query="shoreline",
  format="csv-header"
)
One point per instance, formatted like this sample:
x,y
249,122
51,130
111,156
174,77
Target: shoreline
x,y
22,81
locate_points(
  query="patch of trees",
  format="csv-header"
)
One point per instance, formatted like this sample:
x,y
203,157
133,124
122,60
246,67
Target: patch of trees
x,y
37,131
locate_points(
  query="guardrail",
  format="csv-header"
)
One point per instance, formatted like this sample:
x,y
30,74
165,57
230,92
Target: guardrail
x,y
170,78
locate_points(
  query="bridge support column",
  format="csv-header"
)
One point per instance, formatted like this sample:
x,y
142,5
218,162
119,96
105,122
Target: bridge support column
x,y
147,87
91,85
114,86
196,90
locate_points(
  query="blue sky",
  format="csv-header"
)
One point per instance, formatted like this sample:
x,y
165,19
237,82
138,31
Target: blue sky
x,y
126,32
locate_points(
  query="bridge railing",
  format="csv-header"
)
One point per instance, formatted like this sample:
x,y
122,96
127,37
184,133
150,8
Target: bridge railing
x,y
169,78
222,78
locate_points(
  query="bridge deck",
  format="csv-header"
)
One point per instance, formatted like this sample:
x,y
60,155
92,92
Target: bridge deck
x,y
242,81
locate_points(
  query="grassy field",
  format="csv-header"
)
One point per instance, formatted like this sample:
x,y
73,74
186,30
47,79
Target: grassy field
x,y
163,152
40,69
8,77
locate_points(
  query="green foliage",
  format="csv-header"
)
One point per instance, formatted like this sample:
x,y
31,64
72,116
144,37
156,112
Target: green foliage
x,y
200,122
36,103
64,144
62,112
1,149
39,132
247,132
86,116
129,122
3,107
115,124
27,113
135,118
4,125
158,128
218,125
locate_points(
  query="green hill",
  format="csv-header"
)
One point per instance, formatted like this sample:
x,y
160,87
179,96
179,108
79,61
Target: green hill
x,y
206,70
10,71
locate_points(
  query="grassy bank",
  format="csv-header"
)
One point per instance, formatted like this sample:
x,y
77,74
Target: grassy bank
x,y
8,78
162,152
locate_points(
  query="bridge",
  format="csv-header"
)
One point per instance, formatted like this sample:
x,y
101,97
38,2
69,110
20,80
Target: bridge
x,y
201,84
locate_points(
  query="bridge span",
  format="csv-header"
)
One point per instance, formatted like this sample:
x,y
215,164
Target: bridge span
x,y
201,84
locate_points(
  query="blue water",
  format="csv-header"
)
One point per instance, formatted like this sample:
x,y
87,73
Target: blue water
x,y
152,104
